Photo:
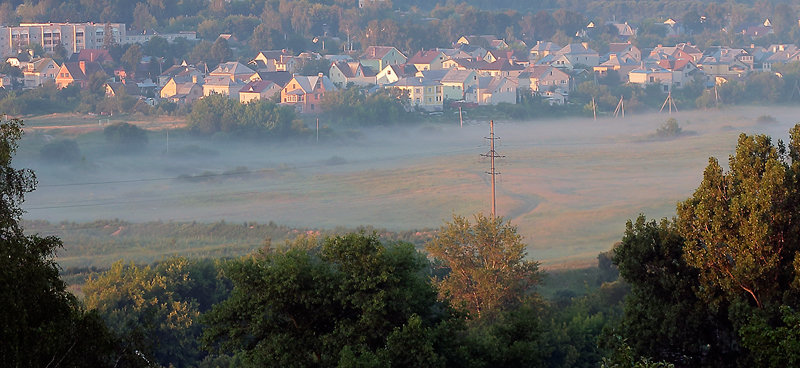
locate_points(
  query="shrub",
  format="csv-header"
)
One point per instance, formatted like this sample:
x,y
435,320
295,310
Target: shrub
x,y
61,151
125,137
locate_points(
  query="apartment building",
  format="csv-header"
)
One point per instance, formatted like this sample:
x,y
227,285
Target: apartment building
x,y
73,36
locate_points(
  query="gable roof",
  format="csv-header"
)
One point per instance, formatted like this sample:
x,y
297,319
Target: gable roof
x,y
503,65
94,55
233,68
350,69
279,78
424,57
78,73
308,84
256,86
378,52
456,76
576,48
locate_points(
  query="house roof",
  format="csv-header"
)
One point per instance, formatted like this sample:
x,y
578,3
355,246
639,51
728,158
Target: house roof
x,y
233,68
94,55
279,78
77,73
492,83
576,48
403,70
350,69
537,71
470,63
503,65
128,88
308,84
273,54
546,46
456,76
377,52
424,57
256,86
40,65
674,64
435,75
414,82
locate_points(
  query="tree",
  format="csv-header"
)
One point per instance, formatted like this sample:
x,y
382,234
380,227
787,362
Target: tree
x,y
664,318
220,51
485,264
42,323
738,225
131,58
155,309
347,301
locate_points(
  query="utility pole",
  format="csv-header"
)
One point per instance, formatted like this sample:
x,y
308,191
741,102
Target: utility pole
x,y
317,130
594,109
669,102
460,117
492,154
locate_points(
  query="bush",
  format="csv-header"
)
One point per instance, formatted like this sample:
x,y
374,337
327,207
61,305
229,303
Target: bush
x,y
125,137
669,129
61,151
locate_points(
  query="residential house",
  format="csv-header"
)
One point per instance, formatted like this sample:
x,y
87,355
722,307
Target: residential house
x,y
344,73
182,73
427,60
223,85
515,56
39,71
620,67
492,91
624,51
279,78
726,62
233,70
275,61
651,74
542,49
456,82
501,68
5,81
474,51
464,64
778,55
124,88
488,41
673,28
624,30
678,51
577,54
93,55
182,92
379,57
393,73
683,70
423,94
538,78
305,93
77,72
258,90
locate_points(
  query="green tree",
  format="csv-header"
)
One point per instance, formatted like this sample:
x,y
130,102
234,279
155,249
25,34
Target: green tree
x,y
485,264
738,225
41,323
663,317
349,301
132,57
155,310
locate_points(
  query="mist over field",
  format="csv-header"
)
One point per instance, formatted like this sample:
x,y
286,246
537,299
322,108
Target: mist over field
x,y
569,184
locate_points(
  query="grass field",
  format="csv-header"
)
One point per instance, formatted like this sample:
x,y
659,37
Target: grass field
x,y
570,185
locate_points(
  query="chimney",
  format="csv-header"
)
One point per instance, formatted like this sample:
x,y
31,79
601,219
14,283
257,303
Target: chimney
x,y
82,65
320,74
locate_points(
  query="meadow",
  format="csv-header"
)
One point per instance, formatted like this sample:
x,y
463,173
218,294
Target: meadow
x,y
569,184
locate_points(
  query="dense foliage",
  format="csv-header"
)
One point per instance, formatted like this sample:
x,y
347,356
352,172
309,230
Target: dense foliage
x,y
262,118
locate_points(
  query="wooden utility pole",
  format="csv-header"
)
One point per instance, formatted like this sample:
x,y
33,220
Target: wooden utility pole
x,y
460,117
669,101
594,109
317,130
620,107
492,154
